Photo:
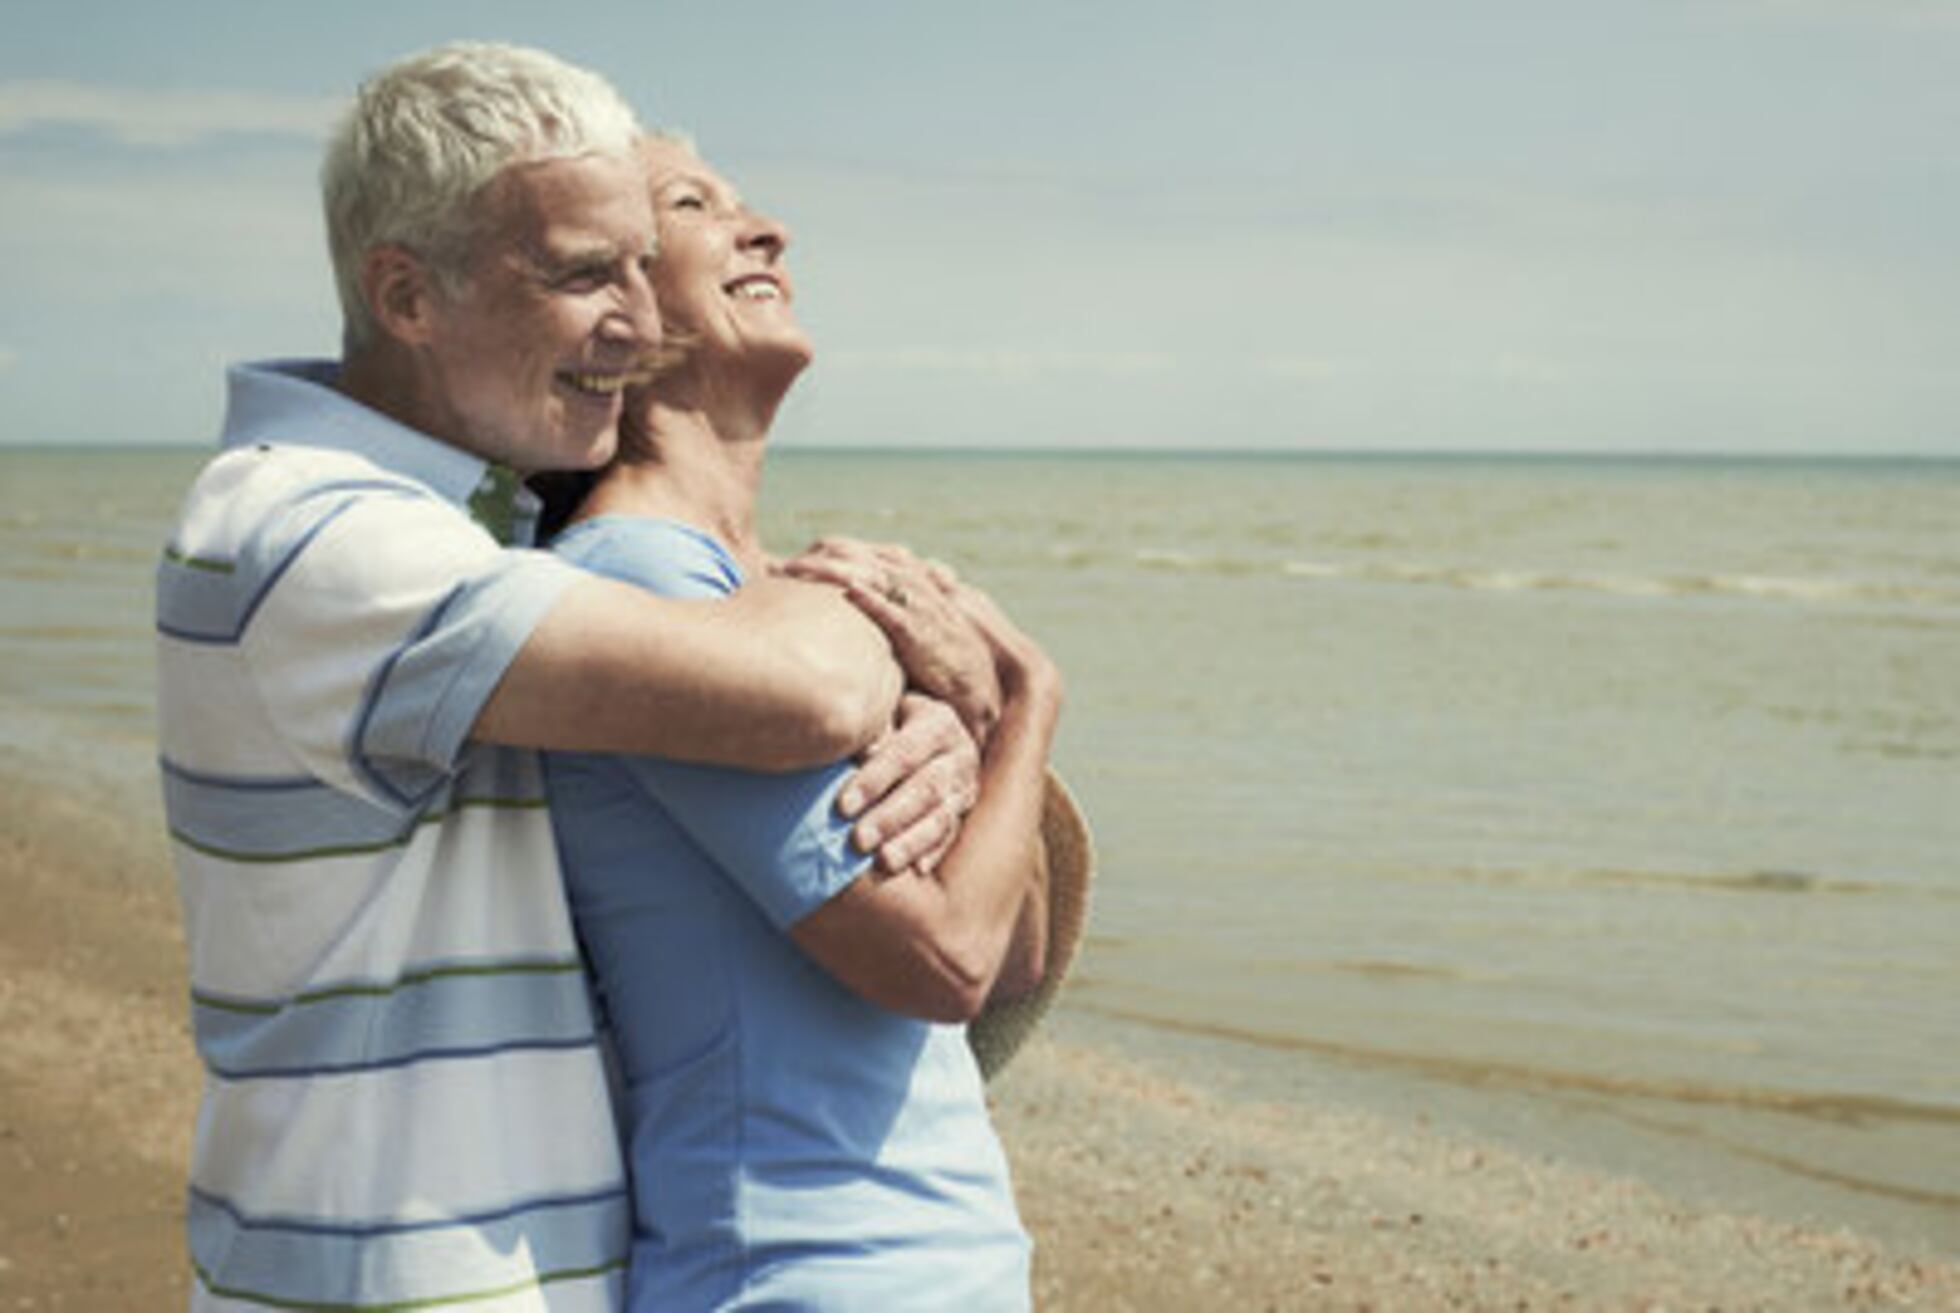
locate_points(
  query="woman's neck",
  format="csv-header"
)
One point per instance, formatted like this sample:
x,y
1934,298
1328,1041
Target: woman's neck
x,y
704,470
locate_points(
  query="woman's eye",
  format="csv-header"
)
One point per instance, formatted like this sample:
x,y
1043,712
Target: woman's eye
x,y
689,201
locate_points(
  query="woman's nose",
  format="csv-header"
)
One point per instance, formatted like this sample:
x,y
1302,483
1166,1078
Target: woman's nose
x,y
765,233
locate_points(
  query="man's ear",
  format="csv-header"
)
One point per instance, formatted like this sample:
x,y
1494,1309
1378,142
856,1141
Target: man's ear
x,y
401,293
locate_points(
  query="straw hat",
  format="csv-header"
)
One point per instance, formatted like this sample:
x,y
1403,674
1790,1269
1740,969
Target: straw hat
x,y
999,1030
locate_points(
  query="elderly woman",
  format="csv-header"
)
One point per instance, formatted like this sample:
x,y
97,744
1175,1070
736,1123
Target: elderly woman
x,y
805,1124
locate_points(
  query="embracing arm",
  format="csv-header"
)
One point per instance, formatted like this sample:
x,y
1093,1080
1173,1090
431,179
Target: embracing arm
x,y
1026,960
935,943
779,675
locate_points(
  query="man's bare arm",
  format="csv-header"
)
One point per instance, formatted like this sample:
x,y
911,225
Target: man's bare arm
x,y
780,675
913,786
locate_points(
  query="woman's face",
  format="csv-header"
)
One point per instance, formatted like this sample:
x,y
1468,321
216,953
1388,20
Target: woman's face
x,y
719,275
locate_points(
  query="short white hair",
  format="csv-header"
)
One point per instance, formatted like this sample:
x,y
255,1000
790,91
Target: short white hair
x,y
426,134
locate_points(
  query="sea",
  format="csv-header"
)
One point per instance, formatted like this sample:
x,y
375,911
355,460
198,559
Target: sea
x,y
1609,807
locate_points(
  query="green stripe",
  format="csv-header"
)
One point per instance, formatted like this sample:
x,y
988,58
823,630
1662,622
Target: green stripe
x,y
408,981
406,1305
355,849
197,562
504,804
272,859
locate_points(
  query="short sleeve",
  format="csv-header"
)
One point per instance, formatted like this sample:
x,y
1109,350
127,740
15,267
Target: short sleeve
x,y
661,556
778,836
386,620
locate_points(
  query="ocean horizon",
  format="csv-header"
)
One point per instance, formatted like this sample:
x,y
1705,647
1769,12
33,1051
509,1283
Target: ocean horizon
x,y
792,449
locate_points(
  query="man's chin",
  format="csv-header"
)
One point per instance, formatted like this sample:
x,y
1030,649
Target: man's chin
x,y
595,452
580,446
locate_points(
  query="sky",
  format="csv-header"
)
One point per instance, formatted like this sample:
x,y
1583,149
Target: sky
x,y
1699,226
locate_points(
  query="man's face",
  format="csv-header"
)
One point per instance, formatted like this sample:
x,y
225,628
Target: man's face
x,y
554,319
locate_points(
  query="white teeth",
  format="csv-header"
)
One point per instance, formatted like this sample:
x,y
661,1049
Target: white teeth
x,y
759,290
606,385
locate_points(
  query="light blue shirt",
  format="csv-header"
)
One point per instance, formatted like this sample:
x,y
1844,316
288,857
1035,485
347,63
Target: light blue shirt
x,y
790,1144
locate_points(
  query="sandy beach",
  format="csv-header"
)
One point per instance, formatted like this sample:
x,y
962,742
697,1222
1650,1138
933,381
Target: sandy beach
x,y
1141,1192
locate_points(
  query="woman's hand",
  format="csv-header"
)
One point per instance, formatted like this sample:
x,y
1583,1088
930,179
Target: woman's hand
x,y
918,604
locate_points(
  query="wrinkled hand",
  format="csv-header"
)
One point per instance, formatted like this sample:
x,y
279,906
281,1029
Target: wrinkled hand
x,y
913,786
917,604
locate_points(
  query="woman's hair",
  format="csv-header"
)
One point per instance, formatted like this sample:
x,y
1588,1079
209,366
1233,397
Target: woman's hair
x,y
562,492
426,134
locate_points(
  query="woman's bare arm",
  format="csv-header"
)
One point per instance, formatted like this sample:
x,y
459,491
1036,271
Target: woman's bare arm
x,y
934,943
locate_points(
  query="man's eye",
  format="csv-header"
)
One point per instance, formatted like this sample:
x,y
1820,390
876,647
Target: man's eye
x,y
583,280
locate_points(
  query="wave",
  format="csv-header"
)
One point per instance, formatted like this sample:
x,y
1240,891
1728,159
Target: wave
x,y
77,633
1753,587
1768,881
1626,1096
1839,1108
1770,588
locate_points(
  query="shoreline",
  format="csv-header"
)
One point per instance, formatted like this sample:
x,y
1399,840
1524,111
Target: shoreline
x,y
1162,1194
1142,1191
1816,1165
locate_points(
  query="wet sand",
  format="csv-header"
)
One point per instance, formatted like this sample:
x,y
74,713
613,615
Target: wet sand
x,y
1141,1192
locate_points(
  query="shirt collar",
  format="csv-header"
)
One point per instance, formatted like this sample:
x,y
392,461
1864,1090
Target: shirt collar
x,y
295,402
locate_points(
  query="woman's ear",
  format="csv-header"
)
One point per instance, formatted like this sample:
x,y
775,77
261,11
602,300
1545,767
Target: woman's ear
x,y
401,293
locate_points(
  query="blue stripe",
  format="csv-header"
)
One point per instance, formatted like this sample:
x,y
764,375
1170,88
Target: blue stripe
x,y
246,822
416,780
191,609
424,699
410,979
206,1199
406,1060
453,1261
286,819
447,1012
493,773
260,783
194,605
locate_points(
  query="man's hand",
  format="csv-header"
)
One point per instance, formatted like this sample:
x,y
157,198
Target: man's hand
x,y
916,603
913,786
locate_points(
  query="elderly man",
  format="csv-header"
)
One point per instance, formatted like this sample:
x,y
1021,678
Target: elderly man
x,y
404,1103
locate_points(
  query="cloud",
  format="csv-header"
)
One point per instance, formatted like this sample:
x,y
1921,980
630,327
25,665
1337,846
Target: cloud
x,y
1509,368
1309,367
1917,15
1002,364
1512,368
162,119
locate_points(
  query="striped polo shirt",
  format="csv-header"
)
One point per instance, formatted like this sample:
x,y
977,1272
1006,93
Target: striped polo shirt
x,y
404,1103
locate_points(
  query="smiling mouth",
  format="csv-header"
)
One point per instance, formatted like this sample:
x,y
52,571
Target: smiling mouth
x,y
755,287
607,383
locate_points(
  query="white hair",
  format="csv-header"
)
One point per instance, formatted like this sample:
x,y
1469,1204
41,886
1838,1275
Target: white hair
x,y
425,135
